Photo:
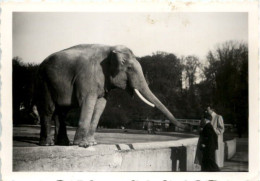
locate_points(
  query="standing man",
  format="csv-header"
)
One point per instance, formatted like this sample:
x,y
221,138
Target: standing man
x,y
218,125
208,144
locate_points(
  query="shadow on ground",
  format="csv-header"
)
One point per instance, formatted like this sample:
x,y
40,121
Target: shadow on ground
x,y
27,139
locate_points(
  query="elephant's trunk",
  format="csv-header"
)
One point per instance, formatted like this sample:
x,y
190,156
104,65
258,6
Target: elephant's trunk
x,y
146,92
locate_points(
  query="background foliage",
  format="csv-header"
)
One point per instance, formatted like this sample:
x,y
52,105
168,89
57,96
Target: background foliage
x,y
183,84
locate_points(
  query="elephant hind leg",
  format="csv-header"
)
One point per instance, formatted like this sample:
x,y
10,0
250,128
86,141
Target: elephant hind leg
x,y
61,137
46,110
46,138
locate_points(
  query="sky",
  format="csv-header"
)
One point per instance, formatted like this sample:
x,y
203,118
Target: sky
x,y
37,35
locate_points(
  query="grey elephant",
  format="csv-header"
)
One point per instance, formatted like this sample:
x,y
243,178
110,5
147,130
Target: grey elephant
x,y
82,76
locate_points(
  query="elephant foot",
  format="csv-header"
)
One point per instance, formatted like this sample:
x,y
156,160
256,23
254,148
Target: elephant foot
x,y
88,142
84,140
46,141
62,141
79,136
76,141
93,142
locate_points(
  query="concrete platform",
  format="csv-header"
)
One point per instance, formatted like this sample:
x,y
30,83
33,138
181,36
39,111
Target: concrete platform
x,y
230,148
118,150
28,136
239,161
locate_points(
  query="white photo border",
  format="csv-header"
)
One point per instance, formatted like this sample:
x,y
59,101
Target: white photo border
x,y
251,7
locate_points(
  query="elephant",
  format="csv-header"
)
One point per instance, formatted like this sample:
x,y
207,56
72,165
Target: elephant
x,y
82,76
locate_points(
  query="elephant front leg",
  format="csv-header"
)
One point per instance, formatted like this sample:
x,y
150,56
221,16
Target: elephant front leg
x,y
87,109
99,108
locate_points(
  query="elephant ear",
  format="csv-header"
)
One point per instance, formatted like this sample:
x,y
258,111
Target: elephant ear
x,y
117,62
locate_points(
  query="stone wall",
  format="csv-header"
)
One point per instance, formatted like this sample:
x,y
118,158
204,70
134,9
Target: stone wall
x,y
150,156
230,148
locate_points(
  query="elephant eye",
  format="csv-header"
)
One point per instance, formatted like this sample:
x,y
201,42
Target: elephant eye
x,y
130,68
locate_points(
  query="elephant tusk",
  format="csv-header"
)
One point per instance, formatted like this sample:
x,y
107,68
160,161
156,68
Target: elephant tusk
x,y
143,99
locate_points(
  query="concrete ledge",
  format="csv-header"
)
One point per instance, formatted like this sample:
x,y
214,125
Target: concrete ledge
x,y
149,156
230,148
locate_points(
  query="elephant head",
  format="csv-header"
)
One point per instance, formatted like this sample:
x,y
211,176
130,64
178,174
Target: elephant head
x,y
126,73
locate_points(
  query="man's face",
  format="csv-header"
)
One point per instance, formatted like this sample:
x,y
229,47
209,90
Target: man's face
x,y
209,110
202,123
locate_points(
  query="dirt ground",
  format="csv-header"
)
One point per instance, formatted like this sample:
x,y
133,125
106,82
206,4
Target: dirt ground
x,y
27,136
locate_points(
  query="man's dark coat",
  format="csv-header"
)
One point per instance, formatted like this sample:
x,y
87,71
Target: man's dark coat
x,y
209,138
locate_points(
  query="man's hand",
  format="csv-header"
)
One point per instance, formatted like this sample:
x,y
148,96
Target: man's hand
x,y
187,127
202,146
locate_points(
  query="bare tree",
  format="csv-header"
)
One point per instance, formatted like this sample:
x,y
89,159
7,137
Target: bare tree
x,y
191,69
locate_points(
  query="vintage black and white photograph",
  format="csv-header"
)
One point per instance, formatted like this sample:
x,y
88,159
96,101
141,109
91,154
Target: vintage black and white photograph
x,y
130,91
